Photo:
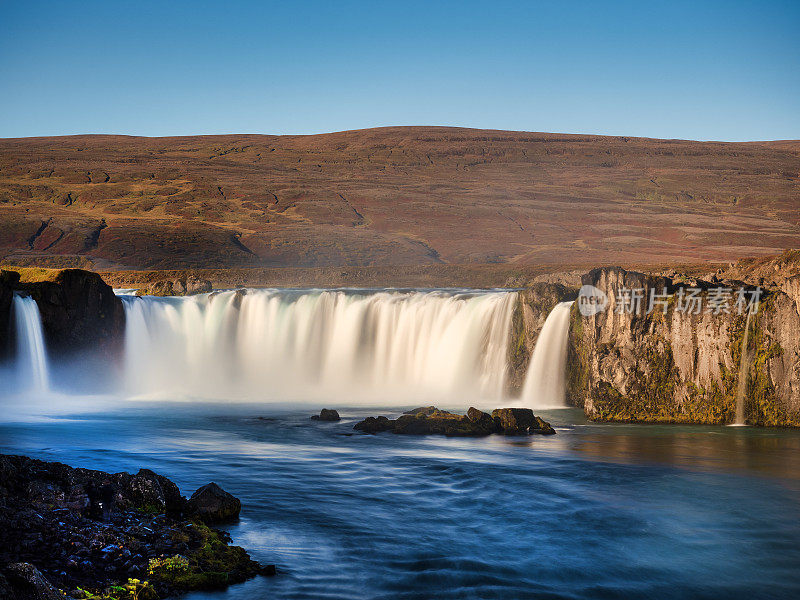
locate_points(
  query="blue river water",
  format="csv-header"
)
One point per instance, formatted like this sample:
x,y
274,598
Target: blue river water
x,y
597,511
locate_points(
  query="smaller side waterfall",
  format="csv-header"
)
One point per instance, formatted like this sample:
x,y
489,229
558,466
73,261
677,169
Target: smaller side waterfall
x,y
544,385
744,368
31,351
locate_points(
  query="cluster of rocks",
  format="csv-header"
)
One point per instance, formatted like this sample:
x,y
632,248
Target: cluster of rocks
x,y
430,420
79,529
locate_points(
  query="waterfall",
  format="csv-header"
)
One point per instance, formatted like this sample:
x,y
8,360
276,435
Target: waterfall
x,y
373,346
744,367
544,385
31,351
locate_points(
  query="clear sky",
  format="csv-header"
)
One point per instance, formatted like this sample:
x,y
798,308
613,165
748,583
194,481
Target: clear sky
x,y
726,70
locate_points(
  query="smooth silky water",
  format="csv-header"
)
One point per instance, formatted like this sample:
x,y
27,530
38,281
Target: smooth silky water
x,y
597,511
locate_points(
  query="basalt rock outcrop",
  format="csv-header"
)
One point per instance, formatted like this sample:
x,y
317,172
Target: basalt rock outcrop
x,y
115,535
79,312
530,312
432,421
212,504
8,281
673,365
187,285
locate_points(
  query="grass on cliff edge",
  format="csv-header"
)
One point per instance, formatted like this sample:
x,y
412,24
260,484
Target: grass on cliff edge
x,y
33,274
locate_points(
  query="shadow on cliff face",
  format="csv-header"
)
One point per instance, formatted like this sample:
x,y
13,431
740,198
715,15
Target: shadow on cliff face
x,y
82,326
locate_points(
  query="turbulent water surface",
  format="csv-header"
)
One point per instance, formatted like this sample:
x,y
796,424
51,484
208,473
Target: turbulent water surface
x,y
598,511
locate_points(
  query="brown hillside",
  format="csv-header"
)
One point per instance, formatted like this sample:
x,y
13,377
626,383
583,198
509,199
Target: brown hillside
x,y
393,196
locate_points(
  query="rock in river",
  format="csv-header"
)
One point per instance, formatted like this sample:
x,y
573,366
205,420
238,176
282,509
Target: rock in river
x,y
212,504
430,420
327,414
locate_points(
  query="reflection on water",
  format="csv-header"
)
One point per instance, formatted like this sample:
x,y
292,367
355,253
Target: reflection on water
x,y
598,511
771,452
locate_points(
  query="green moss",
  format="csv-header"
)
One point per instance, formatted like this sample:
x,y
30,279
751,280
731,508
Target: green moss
x,y
214,564
657,393
150,509
651,397
762,406
134,589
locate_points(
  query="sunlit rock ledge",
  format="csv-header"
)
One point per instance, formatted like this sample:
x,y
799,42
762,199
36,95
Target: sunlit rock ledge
x,y
678,366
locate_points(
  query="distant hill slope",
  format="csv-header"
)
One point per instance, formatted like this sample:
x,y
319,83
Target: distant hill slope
x,y
392,196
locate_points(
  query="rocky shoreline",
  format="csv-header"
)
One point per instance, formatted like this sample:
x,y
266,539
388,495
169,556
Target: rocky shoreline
x,y
77,533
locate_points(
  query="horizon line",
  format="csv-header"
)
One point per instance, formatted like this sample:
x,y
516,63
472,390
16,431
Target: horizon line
x,y
380,127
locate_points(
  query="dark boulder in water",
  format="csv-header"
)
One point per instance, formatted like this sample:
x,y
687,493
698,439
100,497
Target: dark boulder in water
x,y
327,414
433,413
520,421
542,427
481,419
374,425
430,420
212,504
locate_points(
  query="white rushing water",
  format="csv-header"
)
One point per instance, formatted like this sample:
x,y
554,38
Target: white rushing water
x,y
545,385
744,367
355,346
31,352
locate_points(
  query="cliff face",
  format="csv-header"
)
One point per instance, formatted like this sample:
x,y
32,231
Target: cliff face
x,y
530,312
676,366
79,312
8,280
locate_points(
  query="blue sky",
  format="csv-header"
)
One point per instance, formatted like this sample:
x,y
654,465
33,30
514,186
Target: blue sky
x,y
698,70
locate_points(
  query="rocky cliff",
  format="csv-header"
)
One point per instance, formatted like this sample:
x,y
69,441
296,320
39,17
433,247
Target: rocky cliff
x,y
79,312
674,365
8,280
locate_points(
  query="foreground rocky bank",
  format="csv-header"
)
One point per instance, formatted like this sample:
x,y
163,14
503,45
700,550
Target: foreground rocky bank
x,y
79,533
